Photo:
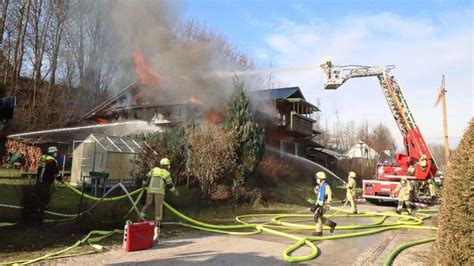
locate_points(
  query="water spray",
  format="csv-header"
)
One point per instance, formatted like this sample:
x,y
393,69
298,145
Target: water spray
x,y
144,126
224,73
306,161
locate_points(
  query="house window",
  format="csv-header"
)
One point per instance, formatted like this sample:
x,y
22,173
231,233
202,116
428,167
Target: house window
x,y
282,120
283,147
297,149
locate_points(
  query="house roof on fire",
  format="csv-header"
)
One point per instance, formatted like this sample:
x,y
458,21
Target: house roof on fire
x,y
278,94
130,97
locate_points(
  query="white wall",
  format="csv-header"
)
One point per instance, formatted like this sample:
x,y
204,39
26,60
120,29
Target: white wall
x,y
366,152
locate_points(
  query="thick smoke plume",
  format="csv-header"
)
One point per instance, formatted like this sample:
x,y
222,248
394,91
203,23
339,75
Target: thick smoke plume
x,y
184,57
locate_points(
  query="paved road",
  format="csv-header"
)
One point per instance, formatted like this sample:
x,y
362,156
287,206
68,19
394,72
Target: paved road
x,y
201,248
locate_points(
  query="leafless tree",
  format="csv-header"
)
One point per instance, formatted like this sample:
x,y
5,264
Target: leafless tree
x,y
380,139
437,150
3,18
19,50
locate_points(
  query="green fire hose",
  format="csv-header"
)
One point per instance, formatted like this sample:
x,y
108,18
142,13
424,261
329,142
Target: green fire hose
x,y
274,224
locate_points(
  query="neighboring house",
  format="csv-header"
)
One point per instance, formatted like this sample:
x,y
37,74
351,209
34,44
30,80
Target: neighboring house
x,y
363,151
287,118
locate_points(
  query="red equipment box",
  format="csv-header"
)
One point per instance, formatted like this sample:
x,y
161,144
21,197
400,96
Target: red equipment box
x,y
138,236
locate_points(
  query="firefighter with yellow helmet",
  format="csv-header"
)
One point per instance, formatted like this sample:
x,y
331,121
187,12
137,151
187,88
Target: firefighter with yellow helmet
x,y
158,180
404,191
351,191
48,171
323,203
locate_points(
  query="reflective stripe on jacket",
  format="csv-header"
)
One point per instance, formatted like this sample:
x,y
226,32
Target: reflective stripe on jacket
x,y
324,195
404,191
47,170
159,179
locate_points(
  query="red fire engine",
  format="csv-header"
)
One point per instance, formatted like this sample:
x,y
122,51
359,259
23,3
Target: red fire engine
x,y
417,163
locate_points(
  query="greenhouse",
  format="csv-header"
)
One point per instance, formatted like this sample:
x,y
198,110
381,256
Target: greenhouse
x,y
104,154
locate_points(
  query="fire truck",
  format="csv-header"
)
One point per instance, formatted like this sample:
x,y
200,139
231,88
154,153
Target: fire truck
x,y
417,163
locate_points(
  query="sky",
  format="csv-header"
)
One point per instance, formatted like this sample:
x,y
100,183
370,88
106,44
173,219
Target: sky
x,y
423,39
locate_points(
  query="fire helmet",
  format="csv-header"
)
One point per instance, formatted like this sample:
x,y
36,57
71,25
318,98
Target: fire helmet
x,y
352,174
165,162
52,149
320,175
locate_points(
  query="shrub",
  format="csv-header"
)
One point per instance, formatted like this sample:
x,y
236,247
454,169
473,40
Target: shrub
x,y
272,169
171,144
211,158
455,238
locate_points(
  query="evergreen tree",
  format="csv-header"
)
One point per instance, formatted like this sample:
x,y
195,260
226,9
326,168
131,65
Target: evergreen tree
x,y
246,134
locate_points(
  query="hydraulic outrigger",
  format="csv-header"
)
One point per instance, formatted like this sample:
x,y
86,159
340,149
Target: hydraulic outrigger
x,y
417,163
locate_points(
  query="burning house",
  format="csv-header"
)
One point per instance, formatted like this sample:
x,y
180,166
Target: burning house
x,y
287,118
132,104
150,98
289,125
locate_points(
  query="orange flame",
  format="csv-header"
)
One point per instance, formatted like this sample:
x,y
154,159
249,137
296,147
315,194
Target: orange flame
x,y
214,117
194,100
102,121
145,73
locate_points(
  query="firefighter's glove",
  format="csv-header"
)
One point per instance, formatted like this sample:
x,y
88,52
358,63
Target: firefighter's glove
x,y
311,201
176,193
316,208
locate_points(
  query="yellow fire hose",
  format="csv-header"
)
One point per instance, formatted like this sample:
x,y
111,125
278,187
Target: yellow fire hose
x,y
275,224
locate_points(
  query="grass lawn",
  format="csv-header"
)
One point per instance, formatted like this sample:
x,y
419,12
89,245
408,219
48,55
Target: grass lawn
x,y
12,173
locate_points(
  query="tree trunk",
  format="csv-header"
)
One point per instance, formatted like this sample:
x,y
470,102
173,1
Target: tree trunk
x,y
3,19
56,44
20,44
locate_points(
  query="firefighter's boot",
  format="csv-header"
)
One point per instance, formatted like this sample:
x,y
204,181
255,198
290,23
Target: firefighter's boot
x,y
332,226
315,233
156,234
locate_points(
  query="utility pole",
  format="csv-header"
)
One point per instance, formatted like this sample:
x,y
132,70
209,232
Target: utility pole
x,y
361,146
442,98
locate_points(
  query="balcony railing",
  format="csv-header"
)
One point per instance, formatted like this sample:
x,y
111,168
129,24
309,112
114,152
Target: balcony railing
x,y
301,124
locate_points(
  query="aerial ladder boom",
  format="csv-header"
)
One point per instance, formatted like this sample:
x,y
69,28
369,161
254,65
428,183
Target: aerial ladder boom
x,y
417,162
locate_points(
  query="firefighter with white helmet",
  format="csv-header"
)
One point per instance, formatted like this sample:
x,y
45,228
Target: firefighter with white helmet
x,y
404,191
351,191
323,203
158,180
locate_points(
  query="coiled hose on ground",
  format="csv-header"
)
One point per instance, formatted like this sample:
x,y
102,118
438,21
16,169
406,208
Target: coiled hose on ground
x,y
274,224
